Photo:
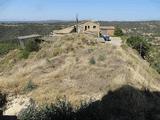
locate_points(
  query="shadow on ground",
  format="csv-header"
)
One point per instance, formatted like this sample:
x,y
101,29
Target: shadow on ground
x,y
126,103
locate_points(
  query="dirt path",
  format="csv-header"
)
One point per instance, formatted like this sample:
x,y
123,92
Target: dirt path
x,y
116,41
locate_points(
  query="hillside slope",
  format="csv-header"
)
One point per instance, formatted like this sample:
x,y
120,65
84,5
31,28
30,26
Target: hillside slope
x,y
78,67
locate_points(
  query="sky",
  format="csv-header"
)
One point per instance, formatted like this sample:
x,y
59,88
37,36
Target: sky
x,y
108,10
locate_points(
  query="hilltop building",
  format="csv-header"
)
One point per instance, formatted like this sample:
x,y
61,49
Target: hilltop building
x,y
88,27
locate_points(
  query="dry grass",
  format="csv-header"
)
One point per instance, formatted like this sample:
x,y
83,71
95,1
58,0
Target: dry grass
x,y
62,68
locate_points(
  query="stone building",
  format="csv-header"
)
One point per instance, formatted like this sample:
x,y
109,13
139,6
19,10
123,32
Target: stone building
x,y
88,27
107,30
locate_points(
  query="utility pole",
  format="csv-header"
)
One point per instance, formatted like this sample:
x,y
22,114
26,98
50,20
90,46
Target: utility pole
x,y
77,21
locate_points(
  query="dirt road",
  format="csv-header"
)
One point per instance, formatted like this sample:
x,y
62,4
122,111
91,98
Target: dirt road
x,y
115,41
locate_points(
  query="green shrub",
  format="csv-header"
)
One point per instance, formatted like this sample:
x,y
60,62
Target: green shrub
x,y
24,54
156,66
32,46
62,110
29,114
140,44
6,47
102,57
30,86
92,61
3,99
118,32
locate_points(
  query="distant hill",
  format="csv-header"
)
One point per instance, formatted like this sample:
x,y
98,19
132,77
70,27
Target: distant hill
x,y
11,31
41,21
137,27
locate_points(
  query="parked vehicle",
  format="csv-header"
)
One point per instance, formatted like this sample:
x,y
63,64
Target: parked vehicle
x,y
106,37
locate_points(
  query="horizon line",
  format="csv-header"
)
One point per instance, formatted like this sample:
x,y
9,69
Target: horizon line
x,y
62,20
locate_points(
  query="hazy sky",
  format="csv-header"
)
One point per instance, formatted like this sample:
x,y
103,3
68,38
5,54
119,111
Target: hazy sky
x,y
87,9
